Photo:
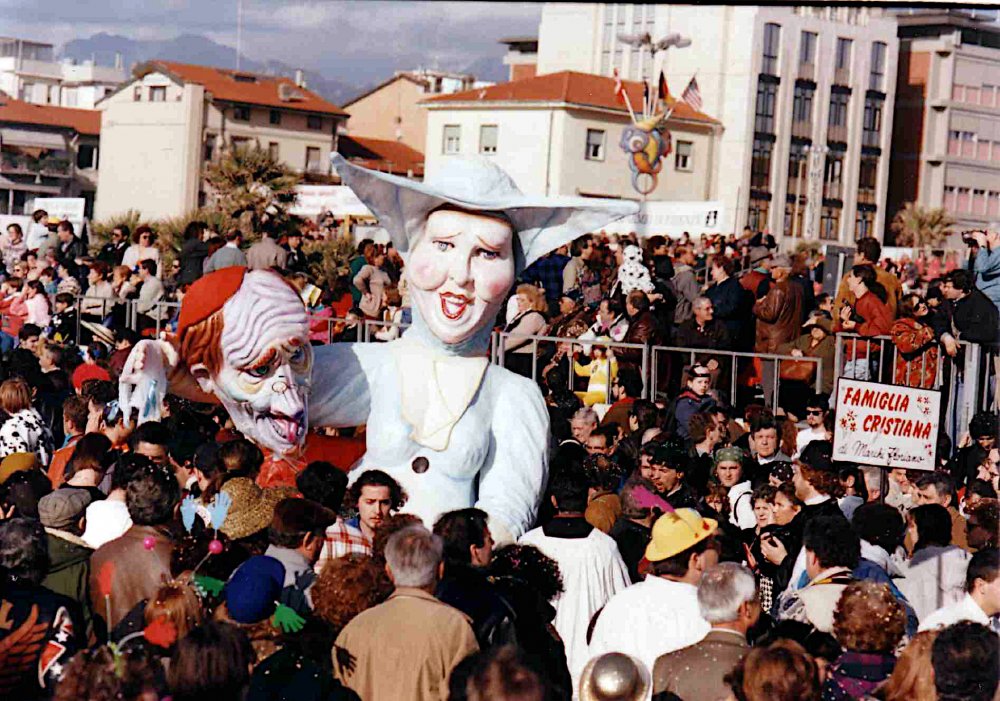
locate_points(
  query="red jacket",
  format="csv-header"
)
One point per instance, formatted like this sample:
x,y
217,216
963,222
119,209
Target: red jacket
x,y
876,313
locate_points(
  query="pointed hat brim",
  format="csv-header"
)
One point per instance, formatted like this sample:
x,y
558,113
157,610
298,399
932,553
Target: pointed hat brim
x,y
542,224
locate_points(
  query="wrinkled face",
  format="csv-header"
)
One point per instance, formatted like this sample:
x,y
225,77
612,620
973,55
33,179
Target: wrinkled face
x,y
460,271
930,495
729,473
703,312
267,363
582,429
763,512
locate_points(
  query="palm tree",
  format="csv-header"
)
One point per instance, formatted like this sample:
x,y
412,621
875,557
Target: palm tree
x,y
251,188
918,227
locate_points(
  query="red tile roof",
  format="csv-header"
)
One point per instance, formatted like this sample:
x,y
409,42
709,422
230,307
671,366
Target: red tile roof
x,y
572,88
383,155
81,121
263,90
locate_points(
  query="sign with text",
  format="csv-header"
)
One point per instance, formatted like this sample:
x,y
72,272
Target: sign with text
x,y
887,425
70,208
339,199
671,219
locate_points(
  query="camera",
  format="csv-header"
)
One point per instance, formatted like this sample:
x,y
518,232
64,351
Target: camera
x,y
968,236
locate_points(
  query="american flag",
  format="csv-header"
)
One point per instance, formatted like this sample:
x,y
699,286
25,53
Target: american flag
x,y
692,95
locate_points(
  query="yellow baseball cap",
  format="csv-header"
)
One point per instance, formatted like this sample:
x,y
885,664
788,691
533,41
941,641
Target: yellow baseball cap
x,y
674,532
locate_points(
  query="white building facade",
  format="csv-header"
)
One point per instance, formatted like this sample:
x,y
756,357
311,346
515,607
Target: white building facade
x,y
805,97
559,135
29,72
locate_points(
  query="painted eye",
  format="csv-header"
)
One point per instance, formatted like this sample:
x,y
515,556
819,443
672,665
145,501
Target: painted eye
x,y
488,255
299,356
258,372
443,245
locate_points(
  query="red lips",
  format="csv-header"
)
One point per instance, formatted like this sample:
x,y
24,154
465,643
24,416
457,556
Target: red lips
x,y
453,306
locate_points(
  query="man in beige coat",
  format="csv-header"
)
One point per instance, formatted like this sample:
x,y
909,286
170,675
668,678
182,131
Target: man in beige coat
x,y
406,647
727,597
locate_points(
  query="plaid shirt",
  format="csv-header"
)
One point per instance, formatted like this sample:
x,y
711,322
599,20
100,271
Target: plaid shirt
x,y
343,538
549,272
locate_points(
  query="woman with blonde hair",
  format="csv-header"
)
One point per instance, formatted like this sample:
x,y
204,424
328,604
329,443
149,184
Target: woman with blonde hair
x,y
23,431
913,677
528,321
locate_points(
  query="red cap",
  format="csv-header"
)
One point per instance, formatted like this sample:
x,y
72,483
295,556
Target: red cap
x,y
208,294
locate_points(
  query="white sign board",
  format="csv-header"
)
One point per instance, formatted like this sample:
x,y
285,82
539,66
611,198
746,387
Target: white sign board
x,y
887,425
70,208
671,219
339,199
370,231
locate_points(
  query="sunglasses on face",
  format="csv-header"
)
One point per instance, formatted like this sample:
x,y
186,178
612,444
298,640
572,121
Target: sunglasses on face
x,y
814,412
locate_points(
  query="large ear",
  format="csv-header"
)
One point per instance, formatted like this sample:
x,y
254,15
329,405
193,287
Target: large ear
x,y
202,376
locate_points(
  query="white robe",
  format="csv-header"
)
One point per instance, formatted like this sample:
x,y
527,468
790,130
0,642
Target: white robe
x,y
496,458
592,571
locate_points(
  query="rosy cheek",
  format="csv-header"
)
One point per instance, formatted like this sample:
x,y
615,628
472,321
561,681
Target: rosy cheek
x,y
496,282
426,274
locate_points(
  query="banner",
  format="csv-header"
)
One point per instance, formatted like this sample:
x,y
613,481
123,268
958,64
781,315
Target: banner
x,y
339,199
887,425
671,219
70,208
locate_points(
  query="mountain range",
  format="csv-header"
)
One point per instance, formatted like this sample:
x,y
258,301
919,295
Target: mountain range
x,y
200,50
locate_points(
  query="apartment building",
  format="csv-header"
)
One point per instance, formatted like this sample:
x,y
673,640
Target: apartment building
x,y
559,134
30,72
160,129
391,111
946,134
46,151
805,96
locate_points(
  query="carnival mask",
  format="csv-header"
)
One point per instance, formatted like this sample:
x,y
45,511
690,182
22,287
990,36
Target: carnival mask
x,y
460,272
264,377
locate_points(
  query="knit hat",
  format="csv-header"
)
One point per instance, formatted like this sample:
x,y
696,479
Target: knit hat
x,y
674,532
252,591
17,462
252,507
208,294
614,676
63,507
729,454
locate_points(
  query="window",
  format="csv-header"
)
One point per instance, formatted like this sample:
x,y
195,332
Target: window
x,y
209,152
987,96
595,145
452,141
240,141
982,150
70,97
137,93
798,181
972,94
872,121
772,36
838,109
607,37
86,157
968,140
758,213
28,92
878,66
314,121
684,159
158,93
794,216
843,58
950,198
979,201
803,103
241,113
829,223
833,176
275,117
864,223
993,204
807,49
488,138
760,165
958,92
273,150
767,93
312,159
962,201
867,179
52,95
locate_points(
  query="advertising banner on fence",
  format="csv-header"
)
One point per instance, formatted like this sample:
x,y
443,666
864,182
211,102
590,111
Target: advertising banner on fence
x,y
886,425
671,219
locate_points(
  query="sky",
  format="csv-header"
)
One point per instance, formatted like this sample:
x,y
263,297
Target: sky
x,y
314,34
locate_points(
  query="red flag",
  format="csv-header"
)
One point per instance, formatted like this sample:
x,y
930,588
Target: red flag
x,y
692,95
664,91
619,88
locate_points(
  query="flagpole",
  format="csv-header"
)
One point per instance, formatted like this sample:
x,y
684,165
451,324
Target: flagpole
x,y
628,103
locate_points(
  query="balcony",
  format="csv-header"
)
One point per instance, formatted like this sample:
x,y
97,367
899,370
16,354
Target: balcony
x,y
56,166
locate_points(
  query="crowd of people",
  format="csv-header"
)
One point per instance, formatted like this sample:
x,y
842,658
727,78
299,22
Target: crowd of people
x,y
697,544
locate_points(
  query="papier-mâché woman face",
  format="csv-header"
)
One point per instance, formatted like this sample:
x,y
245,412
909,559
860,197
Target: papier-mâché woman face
x,y
460,272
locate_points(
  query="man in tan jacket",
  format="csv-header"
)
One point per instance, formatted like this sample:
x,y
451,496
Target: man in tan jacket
x,y
727,597
406,647
869,251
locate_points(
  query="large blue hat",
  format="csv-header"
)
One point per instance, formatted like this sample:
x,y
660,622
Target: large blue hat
x,y
253,589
